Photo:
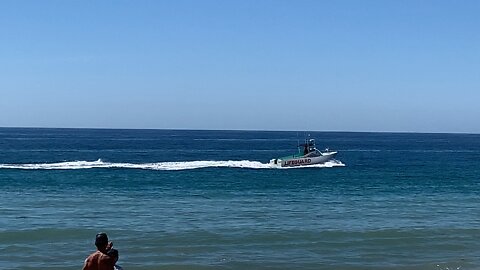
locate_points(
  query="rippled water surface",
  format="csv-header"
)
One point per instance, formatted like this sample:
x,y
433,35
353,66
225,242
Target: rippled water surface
x,y
209,200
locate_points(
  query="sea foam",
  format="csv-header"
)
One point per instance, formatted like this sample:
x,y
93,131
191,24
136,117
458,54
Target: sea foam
x,y
161,166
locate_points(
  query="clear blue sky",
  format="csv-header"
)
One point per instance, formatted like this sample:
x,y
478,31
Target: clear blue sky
x,y
269,65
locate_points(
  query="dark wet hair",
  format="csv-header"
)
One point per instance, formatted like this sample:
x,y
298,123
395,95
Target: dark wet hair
x,y
101,239
113,253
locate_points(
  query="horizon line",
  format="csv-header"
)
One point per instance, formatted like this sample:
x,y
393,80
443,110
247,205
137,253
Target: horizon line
x,y
251,130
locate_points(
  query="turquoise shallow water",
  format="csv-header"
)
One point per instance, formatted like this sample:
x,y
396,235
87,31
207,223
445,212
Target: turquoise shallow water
x,y
207,200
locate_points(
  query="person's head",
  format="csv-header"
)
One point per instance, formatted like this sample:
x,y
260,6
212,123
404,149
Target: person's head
x,y
101,241
113,253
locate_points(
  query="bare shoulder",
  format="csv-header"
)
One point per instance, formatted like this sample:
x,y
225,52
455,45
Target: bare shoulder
x,y
91,261
94,256
104,257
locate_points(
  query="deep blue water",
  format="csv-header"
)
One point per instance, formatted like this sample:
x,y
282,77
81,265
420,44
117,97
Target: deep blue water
x,y
402,200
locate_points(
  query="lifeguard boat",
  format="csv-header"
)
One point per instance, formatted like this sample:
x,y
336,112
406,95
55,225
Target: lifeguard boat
x,y
307,154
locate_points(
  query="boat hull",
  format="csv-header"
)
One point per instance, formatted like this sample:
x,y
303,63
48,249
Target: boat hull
x,y
304,161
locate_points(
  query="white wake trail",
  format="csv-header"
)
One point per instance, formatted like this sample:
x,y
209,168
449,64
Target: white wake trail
x,y
160,166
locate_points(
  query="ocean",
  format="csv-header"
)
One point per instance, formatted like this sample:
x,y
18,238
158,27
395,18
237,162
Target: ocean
x,y
185,199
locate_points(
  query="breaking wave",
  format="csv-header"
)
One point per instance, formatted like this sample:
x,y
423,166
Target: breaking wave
x,y
160,166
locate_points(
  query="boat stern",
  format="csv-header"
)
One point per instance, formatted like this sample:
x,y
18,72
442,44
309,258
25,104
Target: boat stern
x,y
275,162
